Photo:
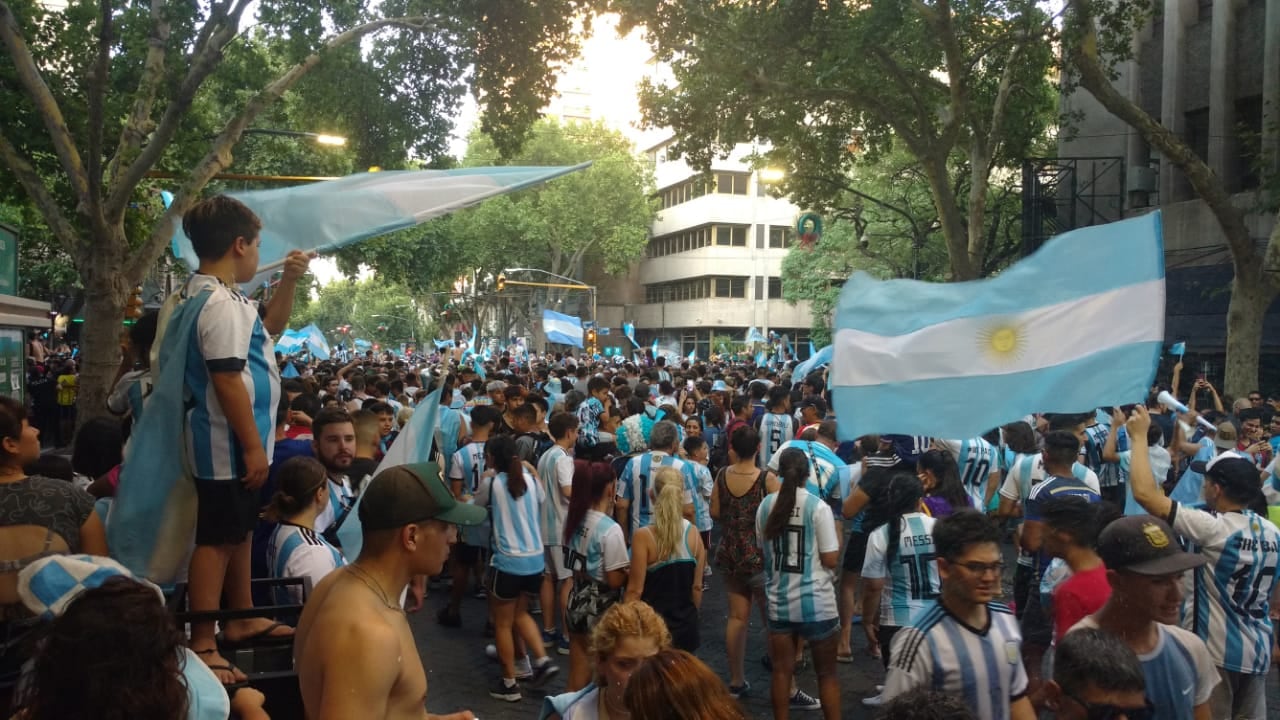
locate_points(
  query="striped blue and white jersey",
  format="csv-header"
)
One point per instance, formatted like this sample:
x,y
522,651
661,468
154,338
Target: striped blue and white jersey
x,y
517,530
229,338
939,652
702,498
775,429
468,469
637,481
130,394
597,547
1229,601
911,577
341,499
976,460
797,586
555,472
294,551
829,476
1179,672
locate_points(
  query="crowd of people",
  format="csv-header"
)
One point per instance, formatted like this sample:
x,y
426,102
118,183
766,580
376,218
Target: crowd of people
x,y
592,503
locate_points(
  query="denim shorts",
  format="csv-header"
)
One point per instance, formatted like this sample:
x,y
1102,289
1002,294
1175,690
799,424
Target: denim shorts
x,y
815,631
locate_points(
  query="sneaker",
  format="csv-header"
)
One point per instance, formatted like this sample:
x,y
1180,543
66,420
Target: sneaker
x,y
562,645
502,691
524,670
873,701
801,701
737,692
449,619
879,689
544,672
479,593
706,584
706,571
549,637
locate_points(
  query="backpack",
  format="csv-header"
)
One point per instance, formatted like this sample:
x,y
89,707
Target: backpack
x,y
542,442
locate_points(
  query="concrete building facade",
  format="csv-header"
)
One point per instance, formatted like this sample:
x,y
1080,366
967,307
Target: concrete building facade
x,y
1209,70
713,267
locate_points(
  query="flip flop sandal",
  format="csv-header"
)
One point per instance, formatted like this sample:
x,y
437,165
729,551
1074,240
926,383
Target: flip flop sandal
x,y
844,658
227,668
261,638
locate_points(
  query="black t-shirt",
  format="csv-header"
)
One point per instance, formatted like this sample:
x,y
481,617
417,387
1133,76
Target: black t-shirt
x,y
875,483
361,469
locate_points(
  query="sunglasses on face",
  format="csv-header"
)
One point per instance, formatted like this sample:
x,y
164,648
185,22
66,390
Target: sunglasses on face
x,y
1103,711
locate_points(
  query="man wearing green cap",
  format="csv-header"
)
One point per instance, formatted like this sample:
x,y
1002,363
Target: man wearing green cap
x,y
354,651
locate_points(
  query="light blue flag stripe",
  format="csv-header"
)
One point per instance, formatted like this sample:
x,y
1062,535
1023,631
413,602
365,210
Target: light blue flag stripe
x,y
1077,325
325,216
561,328
815,361
412,445
1178,349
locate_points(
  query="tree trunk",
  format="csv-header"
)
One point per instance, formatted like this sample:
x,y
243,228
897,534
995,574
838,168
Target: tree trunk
x,y
105,292
954,231
1250,298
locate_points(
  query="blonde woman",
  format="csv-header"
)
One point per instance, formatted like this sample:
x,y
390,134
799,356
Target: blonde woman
x,y
667,559
625,636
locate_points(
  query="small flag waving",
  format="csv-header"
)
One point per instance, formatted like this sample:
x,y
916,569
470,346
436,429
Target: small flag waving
x,y
562,329
1077,325
412,445
815,361
754,336
1179,349
629,329
693,356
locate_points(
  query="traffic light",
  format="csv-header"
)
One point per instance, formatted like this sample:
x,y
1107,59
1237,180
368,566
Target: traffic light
x,y
502,282
591,341
133,306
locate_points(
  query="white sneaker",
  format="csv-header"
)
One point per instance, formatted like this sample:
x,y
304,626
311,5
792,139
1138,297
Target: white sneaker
x,y
524,670
873,701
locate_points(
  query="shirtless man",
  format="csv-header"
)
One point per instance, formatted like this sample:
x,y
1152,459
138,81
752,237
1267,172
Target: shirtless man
x,y
353,649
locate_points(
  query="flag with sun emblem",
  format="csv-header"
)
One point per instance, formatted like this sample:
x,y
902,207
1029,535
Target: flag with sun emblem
x,y
1077,325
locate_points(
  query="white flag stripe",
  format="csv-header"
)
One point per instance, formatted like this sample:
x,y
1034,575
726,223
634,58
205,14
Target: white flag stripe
x,y
1038,338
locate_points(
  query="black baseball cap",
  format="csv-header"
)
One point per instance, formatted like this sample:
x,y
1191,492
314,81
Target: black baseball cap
x,y
817,403
1234,471
408,494
1144,544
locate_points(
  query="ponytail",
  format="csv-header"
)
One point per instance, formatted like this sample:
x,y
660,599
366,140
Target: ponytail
x,y
502,449
297,482
902,496
668,510
793,466
590,480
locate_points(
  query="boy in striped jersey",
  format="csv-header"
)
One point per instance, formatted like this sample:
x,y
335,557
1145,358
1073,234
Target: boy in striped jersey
x,y
633,503
1230,603
963,643
234,387
776,426
555,472
466,473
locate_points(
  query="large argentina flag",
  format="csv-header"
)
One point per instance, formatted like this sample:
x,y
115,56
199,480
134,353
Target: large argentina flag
x,y
562,329
1077,325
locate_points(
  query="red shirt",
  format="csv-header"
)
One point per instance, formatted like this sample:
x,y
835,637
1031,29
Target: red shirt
x,y
1084,593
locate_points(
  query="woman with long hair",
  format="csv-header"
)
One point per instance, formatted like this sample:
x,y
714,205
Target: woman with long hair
x,y
940,476
797,533
675,684
900,559
626,634
739,490
515,502
596,553
667,558
115,653
295,549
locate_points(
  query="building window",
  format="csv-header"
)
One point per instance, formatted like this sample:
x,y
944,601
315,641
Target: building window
x,y
775,288
682,241
779,237
731,287
1196,132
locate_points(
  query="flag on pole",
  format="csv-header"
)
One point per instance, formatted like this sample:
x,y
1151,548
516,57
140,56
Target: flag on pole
x,y
693,356
1179,349
316,342
754,336
629,329
412,445
1077,325
815,361
562,329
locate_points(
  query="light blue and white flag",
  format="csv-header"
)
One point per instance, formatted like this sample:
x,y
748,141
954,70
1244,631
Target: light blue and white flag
x,y
693,356
761,359
412,445
1077,325
316,342
754,336
562,329
815,361
812,352
629,329
362,344
325,216
654,349
478,367
289,371
471,346
442,344
1179,349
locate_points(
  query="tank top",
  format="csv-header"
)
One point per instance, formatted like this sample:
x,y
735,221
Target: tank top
x,y
668,589
738,553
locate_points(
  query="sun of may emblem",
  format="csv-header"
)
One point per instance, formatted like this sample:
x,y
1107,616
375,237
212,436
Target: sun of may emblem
x,y
1002,341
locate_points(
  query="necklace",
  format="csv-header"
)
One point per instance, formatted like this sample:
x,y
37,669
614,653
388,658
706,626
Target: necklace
x,y
363,576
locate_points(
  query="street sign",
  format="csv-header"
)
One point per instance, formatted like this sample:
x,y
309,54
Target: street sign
x,y
8,260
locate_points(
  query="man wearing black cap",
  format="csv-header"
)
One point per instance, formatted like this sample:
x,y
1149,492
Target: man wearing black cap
x,y
354,651
1145,567
813,410
1230,603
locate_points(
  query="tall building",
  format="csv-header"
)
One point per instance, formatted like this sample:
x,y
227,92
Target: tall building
x,y
1209,71
713,267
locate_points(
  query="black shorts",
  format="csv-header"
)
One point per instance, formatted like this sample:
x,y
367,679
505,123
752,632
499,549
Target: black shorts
x,y
885,637
505,586
1021,586
226,513
1037,626
855,551
466,554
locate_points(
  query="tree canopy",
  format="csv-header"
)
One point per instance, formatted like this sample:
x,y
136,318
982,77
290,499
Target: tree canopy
x,y
376,310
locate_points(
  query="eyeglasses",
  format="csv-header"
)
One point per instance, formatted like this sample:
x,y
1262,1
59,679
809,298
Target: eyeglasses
x,y
981,568
1103,711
